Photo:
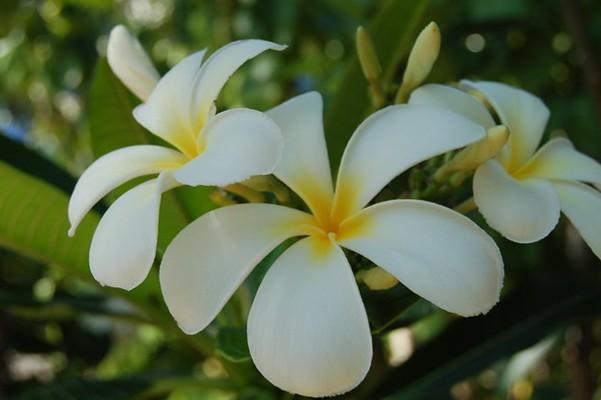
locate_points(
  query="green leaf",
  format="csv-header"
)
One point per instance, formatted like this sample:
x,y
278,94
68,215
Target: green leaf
x,y
232,344
89,389
110,107
33,223
393,31
469,345
62,306
388,308
28,161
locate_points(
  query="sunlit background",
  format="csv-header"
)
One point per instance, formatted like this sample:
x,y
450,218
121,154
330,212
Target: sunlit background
x,y
48,53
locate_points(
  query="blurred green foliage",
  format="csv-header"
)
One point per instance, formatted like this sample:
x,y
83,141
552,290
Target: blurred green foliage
x,y
62,336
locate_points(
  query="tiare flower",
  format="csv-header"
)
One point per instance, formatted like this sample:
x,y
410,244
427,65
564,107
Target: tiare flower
x,y
207,149
521,191
308,331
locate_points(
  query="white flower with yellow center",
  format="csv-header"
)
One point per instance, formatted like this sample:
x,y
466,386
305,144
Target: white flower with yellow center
x,y
308,331
208,149
522,190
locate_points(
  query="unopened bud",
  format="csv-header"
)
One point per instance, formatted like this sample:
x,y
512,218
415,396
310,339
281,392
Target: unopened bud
x,y
370,65
267,183
476,154
377,278
422,57
248,194
368,57
219,197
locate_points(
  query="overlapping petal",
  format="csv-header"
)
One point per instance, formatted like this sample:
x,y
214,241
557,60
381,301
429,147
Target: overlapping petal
x,y
581,204
524,114
558,159
130,63
304,166
392,140
124,244
114,169
166,113
209,259
439,254
216,71
307,330
238,144
524,211
454,100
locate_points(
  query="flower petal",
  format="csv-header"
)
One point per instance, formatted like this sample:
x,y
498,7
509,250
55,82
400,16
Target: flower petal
x,y
209,259
391,141
558,159
130,63
581,204
307,330
239,143
437,253
217,70
524,114
124,244
114,169
524,211
454,100
304,166
166,113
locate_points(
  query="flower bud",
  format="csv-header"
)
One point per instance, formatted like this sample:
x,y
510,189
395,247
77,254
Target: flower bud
x,y
266,183
370,65
377,278
219,197
248,194
475,154
422,57
368,58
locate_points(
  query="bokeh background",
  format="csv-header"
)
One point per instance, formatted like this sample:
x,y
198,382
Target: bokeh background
x,y
63,337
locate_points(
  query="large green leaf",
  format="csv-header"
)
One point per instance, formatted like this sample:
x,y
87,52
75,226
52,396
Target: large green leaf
x,y
28,161
471,344
33,222
110,108
393,30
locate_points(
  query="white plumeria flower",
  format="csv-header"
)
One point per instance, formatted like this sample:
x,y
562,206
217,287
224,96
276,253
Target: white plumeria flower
x,y
209,150
308,331
522,190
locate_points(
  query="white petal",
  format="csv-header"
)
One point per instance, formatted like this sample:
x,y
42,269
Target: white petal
x,y
124,244
166,113
437,253
582,205
558,159
130,63
523,113
209,259
304,167
391,141
523,211
454,100
307,329
239,143
217,70
114,169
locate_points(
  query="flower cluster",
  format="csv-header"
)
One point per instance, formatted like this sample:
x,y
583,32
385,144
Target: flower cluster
x,y
308,331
